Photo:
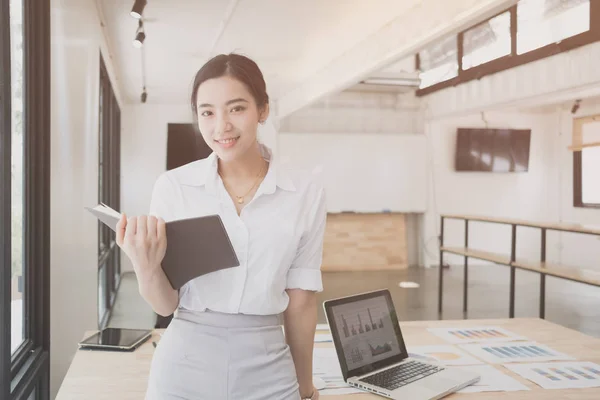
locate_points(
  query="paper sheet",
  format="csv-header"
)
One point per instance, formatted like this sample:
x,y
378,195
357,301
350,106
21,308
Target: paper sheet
x,y
327,367
477,334
322,327
323,337
497,353
447,355
492,380
563,375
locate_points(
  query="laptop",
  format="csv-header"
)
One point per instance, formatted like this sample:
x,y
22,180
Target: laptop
x,y
116,339
372,354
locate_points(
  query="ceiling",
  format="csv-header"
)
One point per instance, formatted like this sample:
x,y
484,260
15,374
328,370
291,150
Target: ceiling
x,y
289,39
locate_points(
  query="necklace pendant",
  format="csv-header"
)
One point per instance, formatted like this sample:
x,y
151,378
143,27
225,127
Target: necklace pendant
x,y
240,200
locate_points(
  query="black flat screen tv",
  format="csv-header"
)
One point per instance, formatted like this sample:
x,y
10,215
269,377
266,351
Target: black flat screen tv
x,y
492,150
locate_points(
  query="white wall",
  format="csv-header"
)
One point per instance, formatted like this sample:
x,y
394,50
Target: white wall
x,y
363,172
530,196
380,121
545,193
76,43
582,250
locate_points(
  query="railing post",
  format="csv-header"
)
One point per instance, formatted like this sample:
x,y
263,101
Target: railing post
x,y
543,277
466,271
513,254
441,276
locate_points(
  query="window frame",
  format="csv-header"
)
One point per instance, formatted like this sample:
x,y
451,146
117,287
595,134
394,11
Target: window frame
x,y
514,60
578,182
109,183
27,371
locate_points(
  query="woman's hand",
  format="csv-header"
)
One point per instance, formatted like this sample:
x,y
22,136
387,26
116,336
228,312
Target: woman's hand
x,y
315,395
144,240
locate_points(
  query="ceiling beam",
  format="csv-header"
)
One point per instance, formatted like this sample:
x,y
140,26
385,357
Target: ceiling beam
x,y
403,36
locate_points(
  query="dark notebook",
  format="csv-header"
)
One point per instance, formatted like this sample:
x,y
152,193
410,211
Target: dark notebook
x,y
195,246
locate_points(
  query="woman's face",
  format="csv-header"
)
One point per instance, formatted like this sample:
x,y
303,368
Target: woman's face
x,y
228,116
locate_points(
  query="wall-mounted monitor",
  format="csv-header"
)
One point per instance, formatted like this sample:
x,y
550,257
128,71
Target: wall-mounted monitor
x,y
492,149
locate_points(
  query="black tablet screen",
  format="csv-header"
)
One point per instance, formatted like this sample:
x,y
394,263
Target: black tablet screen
x,y
116,337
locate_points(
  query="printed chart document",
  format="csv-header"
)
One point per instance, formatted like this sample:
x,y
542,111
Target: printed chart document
x,y
563,375
447,355
475,335
327,367
492,380
195,246
498,353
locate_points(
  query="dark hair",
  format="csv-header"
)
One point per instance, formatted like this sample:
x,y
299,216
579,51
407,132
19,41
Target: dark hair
x,y
237,66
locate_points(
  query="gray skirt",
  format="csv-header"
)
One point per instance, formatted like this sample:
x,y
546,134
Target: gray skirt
x,y
210,355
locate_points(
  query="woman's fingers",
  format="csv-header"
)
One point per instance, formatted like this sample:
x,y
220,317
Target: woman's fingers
x,y
120,230
161,229
151,227
131,228
142,227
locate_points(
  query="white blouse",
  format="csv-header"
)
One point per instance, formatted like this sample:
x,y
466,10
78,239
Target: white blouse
x,y
278,238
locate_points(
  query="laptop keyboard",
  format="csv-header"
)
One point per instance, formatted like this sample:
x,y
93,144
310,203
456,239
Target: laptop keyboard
x,y
401,375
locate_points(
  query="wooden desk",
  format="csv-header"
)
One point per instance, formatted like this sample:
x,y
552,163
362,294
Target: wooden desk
x,y
116,376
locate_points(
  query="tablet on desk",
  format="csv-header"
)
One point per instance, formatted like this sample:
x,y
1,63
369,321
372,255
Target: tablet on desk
x,y
119,339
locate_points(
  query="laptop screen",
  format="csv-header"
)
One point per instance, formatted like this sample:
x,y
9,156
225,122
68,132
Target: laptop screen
x,y
366,332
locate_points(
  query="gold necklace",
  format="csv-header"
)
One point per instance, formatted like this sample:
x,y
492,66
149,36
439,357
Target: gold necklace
x,y
240,199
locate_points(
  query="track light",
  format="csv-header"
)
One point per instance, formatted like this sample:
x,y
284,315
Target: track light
x,y
139,39
144,96
138,9
140,36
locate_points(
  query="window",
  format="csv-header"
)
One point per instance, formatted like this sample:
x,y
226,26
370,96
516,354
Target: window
x,y
528,31
586,157
109,156
590,176
438,62
24,198
542,22
487,41
16,171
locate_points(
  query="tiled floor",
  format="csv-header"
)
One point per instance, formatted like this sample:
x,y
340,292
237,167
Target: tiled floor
x,y
570,304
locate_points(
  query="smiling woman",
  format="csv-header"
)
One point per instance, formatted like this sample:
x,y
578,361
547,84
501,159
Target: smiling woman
x,y
225,340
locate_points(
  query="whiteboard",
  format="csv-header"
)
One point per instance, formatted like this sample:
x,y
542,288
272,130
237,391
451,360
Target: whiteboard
x,y
363,172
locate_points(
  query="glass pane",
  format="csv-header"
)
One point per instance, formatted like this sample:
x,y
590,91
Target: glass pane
x,y
542,22
102,293
439,62
17,270
487,42
590,175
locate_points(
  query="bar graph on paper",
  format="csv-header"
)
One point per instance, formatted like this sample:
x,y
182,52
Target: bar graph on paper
x,y
497,353
475,334
563,375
